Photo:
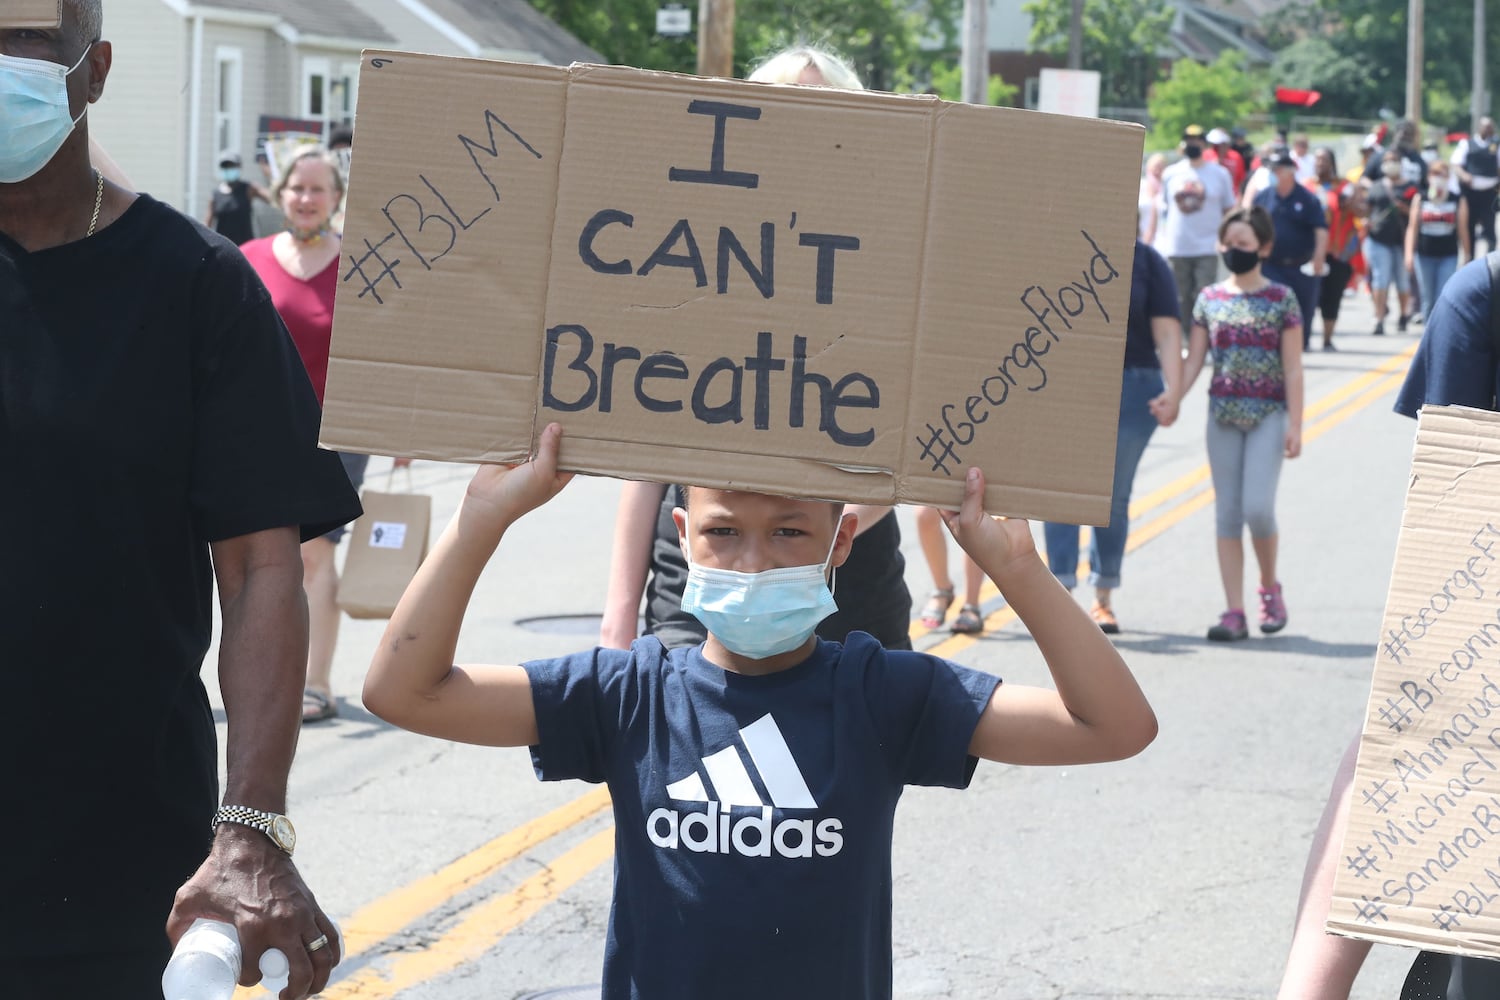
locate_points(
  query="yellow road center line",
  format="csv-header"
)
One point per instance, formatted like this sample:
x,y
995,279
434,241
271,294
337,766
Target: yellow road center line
x,y
481,929
385,916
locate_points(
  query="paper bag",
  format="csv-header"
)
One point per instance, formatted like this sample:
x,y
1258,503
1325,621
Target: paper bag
x,y
386,545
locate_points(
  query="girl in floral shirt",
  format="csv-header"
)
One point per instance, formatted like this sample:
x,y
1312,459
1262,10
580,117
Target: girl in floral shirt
x,y
1254,328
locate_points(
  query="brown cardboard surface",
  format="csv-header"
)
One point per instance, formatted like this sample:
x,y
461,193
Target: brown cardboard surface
x,y
1420,863
30,13
852,296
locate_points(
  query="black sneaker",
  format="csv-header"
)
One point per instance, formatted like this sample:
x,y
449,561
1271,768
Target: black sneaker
x,y
1380,328
1401,324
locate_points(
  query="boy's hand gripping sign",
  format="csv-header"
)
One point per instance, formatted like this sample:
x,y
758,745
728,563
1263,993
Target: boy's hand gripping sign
x,y
851,296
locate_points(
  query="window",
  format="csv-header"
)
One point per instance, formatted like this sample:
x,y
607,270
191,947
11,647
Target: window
x,y
228,88
315,89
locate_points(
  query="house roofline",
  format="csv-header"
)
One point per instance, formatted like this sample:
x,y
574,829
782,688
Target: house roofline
x,y
276,23
443,26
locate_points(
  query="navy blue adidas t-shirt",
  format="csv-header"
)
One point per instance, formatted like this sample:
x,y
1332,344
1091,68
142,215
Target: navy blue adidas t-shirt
x,y
1455,364
754,814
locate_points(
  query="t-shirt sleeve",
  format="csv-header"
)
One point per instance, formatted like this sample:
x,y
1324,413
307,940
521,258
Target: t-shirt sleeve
x,y
1161,287
580,702
925,710
256,461
1200,311
1455,364
1293,312
1319,217
1227,200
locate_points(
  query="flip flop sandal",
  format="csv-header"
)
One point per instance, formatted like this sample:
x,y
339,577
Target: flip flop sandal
x,y
936,608
317,706
970,620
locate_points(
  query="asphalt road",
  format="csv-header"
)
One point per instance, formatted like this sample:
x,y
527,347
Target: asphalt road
x,y
456,874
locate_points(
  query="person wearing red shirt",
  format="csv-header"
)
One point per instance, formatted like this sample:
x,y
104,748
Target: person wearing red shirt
x,y
1220,151
300,269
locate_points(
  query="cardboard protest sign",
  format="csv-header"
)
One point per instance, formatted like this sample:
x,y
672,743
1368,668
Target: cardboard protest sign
x,y
1420,863
852,296
31,14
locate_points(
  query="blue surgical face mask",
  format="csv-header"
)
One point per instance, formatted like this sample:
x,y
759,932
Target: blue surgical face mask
x,y
230,174
759,615
34,119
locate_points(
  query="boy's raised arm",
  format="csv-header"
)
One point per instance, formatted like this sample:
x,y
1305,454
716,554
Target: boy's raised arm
x,y
1097,711
412,681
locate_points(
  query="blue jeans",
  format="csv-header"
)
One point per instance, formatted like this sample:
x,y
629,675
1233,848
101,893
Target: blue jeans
x,y
1107,548
1432,274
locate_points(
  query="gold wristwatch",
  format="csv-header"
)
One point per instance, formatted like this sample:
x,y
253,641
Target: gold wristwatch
x,y
273,825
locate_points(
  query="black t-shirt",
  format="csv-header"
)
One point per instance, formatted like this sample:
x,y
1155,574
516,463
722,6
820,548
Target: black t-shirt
x,y
870,588
1387,226
1153,293
151,402
231,208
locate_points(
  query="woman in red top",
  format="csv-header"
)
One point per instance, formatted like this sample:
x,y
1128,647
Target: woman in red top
x,y
300,269
1340,205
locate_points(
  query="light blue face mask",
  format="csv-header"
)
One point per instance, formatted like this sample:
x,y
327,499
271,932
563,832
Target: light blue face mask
x,y
34,119
759,615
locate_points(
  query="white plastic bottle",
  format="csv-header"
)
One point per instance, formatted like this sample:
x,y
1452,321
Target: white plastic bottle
x,y
206,964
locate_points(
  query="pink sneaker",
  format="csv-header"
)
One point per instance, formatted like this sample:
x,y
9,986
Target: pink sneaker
x,y
1272,610
1231,627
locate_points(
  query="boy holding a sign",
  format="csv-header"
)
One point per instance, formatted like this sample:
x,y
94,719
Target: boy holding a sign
x,y
754,777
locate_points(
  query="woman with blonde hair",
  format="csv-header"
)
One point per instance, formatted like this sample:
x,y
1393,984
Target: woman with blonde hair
x,y
299,267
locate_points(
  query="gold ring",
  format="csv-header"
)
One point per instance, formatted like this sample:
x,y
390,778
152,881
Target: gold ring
x,y
321,941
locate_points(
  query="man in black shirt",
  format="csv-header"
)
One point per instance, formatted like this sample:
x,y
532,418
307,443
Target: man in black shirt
x,y
157,437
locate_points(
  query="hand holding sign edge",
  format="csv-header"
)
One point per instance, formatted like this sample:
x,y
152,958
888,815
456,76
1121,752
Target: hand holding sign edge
x,y
501,494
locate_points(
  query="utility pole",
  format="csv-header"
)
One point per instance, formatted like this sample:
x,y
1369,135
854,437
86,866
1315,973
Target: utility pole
x,y
976,53
716,38
1075,37
1478,105
1414,62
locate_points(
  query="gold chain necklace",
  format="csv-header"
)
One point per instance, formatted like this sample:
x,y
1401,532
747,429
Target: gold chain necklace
x,y
98,202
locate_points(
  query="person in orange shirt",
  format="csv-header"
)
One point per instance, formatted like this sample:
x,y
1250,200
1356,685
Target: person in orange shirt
x,y
1340,205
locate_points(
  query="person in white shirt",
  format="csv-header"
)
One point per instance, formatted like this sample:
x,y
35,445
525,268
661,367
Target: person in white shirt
x,y
1195,197
1307,167
1476,161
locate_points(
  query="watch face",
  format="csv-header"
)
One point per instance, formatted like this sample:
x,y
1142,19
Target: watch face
x,y
283,834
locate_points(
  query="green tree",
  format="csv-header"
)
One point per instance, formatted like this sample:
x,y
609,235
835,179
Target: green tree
x,y
1348,87
623,32
892,44
1122,40
1373,34
947,83
1221,93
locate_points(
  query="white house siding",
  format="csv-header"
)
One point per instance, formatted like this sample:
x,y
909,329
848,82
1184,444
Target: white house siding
x,y
252,44
141,119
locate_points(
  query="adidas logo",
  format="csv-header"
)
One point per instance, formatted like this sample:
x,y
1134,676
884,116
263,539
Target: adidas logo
x,y
750,834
